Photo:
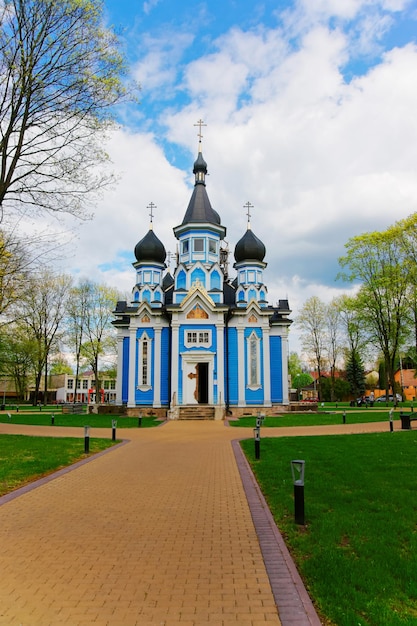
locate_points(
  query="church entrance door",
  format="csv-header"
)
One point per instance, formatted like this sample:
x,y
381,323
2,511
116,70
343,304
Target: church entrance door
x,y
202,383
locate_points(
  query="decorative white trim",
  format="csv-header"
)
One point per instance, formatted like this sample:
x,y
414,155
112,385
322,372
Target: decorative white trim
x,y
253,343
143,340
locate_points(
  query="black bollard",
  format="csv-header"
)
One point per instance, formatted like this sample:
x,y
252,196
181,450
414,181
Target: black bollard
x,y
257,435
298,468
52,420
86,439
140,420
344,417
113,430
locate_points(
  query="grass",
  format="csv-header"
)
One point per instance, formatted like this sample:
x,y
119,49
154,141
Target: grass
x,y
357,552
44,418
321,418
24,459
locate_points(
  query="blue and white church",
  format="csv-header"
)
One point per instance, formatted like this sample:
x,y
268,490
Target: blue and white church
x,y
198,342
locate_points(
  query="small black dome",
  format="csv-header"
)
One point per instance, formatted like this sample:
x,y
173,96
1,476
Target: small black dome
x,y
150,248
200,165
249,248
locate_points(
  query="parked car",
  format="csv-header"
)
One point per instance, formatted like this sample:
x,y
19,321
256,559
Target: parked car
x,y
390,398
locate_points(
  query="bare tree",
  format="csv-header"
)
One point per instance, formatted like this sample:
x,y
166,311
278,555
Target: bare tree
x,y
99,332
312,322
60,76
44,306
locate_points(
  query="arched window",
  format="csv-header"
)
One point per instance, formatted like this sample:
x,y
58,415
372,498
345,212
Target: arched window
x,y
181,280
144,362
198,275
253,361
215,280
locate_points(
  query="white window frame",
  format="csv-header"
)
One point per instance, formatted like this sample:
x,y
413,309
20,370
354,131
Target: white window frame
x,y
198,337
144,367
253,362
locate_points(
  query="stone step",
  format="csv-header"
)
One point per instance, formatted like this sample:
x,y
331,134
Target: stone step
x,y
197,412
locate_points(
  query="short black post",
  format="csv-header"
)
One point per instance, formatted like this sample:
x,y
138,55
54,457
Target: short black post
x,y
17,409
86,439
297,469
113,430
299,504
391,422
52,419
344,417
140,419
257,435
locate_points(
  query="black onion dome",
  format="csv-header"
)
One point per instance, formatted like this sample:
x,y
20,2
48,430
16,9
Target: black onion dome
x,y
200,166
150,248
249,248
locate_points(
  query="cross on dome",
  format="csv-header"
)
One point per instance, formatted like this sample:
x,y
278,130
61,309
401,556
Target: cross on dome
x,y
151,206
248,206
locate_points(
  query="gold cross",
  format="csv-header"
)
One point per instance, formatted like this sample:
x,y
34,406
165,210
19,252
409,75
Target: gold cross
x,y
200,123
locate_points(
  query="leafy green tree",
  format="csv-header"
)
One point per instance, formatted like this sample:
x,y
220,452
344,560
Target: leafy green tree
x,y
312,322
300,381
100,338
45,306
60,77
378,261
355,374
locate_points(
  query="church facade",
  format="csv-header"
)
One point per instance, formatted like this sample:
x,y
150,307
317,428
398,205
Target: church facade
x,y
198,339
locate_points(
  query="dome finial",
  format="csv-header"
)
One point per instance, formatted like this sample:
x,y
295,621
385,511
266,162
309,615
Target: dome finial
x,y
200,166
200,124
248,206
151,206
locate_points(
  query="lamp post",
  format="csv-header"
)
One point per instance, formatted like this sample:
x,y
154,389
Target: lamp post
x,y
86,439
113,429
140,419
297,470
257,437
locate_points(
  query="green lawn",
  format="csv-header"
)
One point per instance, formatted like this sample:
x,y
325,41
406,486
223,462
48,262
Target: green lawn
x,y
322,417
357,552
24,459
44,418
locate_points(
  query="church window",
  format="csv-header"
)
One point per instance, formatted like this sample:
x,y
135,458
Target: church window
x,y
198,245
185,246
241,296
215,280
242,277
251,276
146,295
147,277
212,246
253,361
252,295
181,280
200,337
144,364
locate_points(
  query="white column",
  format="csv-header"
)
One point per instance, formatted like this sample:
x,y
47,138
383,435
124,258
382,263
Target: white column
x,y
174,363
132,367
241,365
119,379
220,364
267,368
157,369
284,343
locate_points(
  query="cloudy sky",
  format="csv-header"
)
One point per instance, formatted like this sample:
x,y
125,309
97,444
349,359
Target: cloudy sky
x,y
311,113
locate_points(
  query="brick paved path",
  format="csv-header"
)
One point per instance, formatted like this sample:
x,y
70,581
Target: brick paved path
x,y
157,531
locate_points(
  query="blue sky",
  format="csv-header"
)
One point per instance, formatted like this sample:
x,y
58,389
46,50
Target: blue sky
x,y
311,116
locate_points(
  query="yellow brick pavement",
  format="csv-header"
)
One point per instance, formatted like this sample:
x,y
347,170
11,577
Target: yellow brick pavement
x,y
156,532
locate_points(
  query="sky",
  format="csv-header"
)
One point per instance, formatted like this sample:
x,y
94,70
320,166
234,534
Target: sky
x,y
310,109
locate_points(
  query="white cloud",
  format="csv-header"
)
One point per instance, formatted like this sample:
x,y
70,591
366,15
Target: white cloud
x,y
321,159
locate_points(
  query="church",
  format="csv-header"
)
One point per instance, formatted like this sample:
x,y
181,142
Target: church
x,y
199,342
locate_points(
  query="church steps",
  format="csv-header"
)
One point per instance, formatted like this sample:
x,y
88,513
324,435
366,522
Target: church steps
x,y
196,412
